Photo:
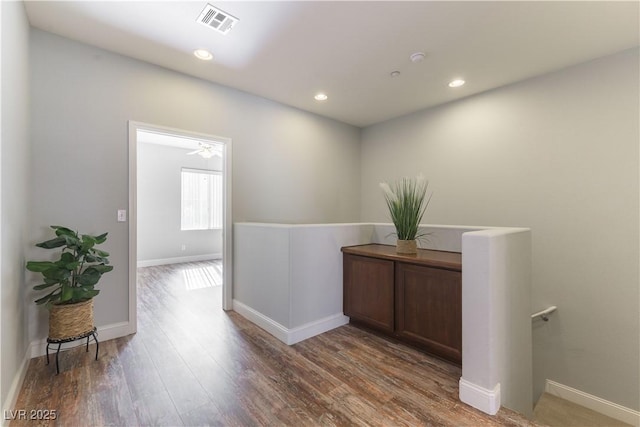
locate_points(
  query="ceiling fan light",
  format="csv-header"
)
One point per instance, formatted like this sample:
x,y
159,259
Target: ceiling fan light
x,y
206,154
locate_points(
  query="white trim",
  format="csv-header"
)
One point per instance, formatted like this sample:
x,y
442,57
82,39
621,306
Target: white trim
x,y
16,385
178,260
1,215
116,330
227,229
594,403
318,327
202,171
133,226
289,336
269,325
488,401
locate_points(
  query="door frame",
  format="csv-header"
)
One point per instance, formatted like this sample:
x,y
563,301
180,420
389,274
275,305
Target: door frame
x,y
227,235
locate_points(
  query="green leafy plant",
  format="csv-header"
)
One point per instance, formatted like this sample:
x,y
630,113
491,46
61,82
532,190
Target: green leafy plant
x,y
72,278
407,202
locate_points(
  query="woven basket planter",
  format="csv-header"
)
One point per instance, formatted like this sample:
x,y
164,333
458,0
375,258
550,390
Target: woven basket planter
x,y
70,320
407,247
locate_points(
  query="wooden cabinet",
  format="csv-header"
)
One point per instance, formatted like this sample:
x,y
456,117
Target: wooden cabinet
x,y
414,298
429,309
370,294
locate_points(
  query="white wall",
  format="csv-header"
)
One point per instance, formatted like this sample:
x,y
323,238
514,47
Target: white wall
x,y
159,197
559,154
14,192
83,98
288,278
496,322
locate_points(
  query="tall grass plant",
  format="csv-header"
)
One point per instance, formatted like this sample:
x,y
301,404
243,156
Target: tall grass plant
x,y
407,202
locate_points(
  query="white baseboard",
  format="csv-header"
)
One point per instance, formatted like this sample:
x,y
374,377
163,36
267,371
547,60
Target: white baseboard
x,y
16,385
290,336
594,403
105,333
266,323
488,401
318,327
178,260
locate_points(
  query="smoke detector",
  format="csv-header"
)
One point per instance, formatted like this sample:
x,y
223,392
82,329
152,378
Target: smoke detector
x,y
217,19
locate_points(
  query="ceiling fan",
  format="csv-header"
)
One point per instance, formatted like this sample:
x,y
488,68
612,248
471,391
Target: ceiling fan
x,y
205,151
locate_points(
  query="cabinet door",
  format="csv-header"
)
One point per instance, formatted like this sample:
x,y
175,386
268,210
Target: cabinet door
x,y
429,309
368,291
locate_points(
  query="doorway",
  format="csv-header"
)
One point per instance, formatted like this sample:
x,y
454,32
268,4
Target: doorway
x,y
195,146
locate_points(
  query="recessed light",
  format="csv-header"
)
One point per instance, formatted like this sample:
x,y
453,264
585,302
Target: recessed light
x,y
203,54
321,97
456,83
395,73
417,57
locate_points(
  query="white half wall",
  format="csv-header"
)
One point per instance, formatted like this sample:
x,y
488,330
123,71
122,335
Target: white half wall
x,y
496,320
292,275
261,269
316,269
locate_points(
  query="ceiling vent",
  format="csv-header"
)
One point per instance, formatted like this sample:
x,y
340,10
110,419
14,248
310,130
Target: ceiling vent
x,y
217,19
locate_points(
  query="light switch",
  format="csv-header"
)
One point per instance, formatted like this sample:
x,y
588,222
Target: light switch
x,y
122,215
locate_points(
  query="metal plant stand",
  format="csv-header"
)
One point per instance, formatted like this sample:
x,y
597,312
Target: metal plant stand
x,y
88,335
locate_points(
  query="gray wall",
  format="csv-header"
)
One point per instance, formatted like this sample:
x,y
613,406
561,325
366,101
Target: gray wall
x,y
14,192
83,98
159,197
559,154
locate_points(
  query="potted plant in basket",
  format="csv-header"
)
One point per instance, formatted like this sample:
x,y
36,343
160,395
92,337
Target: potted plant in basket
x,y
407,202
70,281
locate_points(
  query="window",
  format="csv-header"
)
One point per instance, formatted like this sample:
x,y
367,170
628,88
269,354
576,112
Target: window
x,y
201,199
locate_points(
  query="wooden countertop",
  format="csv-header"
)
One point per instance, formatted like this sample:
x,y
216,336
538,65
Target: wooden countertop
x,y
439,259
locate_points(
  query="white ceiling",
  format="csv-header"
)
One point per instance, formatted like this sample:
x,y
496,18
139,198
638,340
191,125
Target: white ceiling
x,y
287,51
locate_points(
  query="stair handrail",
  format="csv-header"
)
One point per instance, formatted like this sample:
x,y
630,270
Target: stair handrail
x,y
544,314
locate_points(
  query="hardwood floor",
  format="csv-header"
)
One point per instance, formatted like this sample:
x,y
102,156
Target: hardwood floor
x,y
193,364
556,412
